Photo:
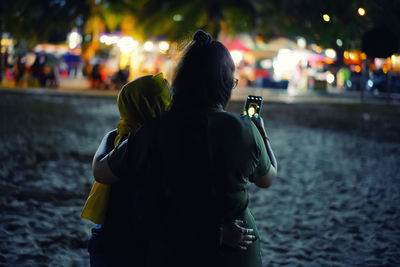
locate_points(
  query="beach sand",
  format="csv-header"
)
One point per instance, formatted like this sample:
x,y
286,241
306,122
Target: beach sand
x,y
336,201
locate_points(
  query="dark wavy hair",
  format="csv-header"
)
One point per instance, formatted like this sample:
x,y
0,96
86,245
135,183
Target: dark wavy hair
x,y
204,75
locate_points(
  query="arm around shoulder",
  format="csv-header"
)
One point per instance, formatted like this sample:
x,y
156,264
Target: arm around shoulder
x,y
102,172
101,169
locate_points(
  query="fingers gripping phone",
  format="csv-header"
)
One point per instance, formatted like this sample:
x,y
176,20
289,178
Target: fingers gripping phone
x,y
253,106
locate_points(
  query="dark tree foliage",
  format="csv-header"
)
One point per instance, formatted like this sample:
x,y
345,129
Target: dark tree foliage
x,y
179,18
30,21
304,18
50,20
379,42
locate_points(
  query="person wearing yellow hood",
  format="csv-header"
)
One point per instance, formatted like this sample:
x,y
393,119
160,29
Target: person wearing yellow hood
x,y
138,101
115,238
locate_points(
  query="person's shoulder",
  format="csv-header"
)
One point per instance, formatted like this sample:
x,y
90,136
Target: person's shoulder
x,y
232,123
149,126
235,119
160,122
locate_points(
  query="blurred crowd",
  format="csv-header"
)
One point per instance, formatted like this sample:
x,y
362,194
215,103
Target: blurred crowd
x,y
39,69
31,69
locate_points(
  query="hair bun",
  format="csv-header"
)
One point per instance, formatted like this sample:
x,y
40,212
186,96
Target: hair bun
x,y
202,37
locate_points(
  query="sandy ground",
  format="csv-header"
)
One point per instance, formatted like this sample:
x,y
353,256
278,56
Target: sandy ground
x,y
336,201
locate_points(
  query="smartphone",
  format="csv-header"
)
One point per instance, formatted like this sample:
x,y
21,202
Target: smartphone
x,y
253,106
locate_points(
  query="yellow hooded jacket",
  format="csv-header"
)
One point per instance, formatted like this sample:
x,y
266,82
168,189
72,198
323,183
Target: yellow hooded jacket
x,y
145,98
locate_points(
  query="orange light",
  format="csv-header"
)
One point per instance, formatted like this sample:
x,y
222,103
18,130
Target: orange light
x,y
357,68
361,11
329,61
363,56
346,54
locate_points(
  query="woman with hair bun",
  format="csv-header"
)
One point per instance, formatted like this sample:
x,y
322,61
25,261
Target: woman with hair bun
x,y
191,166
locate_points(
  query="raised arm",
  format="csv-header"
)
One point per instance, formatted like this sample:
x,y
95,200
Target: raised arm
x,y
266,180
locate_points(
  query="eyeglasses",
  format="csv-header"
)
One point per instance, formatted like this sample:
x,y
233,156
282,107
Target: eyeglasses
x,y
235,83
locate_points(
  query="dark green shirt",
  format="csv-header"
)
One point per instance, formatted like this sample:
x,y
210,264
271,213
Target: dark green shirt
x,y
191,170
223,147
